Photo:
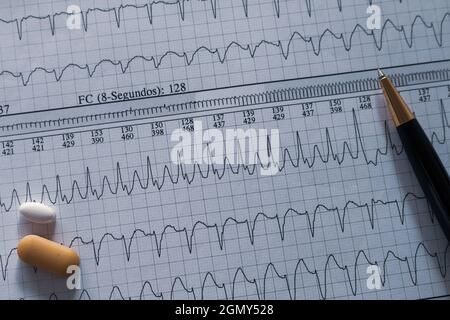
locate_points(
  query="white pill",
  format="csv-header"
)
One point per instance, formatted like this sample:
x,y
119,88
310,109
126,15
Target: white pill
x,y
37,212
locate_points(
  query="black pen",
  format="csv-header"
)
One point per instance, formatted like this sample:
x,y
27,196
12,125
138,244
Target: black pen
x,y
429,170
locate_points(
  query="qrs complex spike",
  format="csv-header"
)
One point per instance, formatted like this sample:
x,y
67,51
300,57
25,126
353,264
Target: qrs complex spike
x,y
221,55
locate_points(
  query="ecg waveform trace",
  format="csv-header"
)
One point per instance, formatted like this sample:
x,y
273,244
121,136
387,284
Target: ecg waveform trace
x,y
181,174
285,50
292,284
118,13
250,225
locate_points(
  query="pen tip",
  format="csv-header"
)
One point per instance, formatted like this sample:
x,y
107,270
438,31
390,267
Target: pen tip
x,y
381,74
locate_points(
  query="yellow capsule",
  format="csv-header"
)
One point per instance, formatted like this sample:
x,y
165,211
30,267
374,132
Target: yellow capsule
x,y
47,255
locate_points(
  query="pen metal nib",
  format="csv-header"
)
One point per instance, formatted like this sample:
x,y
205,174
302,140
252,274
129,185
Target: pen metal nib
x,y
398,108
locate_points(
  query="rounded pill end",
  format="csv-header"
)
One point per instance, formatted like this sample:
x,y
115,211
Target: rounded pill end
x,y
25,246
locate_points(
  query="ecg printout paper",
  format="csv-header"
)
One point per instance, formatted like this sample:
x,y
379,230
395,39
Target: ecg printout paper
x,y
342,206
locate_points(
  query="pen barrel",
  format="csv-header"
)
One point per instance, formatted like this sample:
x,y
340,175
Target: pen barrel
x,y
429,170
